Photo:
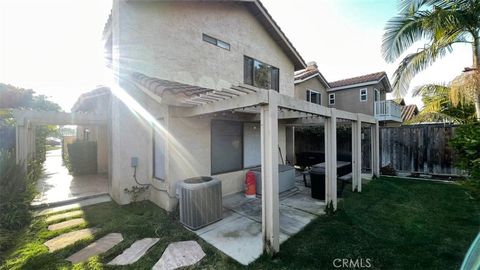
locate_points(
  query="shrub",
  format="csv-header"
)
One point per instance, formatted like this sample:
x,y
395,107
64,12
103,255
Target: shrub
x,y
466,144
82,157
17,190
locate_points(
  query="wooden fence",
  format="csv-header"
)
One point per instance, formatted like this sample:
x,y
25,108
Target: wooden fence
x,y
7,137
419,148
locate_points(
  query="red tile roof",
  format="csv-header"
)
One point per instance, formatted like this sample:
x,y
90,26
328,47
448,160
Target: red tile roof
x,y
360,79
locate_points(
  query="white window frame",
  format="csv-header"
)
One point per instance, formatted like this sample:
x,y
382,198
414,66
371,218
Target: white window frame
x,y
331,97
363,95
377,93
309,97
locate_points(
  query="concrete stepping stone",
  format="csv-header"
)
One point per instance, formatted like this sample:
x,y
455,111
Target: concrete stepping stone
x,y
66,224
64,215
67,239
180,254
100,246
134,252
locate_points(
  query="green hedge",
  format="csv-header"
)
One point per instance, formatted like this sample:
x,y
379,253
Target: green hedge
x,y
82,157
17,190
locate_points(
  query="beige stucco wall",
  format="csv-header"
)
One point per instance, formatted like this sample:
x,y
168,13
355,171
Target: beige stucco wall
x,y
349,99
156,39
311,84
188,152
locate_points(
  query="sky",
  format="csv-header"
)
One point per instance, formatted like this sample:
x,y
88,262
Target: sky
x,y
54,46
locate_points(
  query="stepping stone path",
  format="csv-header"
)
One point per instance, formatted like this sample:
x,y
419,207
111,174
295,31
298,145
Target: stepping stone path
x,y
66,224
180,254
64,216
134,252
100,246
67,239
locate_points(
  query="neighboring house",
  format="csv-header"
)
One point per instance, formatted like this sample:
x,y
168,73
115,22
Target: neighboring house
x,y
311,85
363,94
409,112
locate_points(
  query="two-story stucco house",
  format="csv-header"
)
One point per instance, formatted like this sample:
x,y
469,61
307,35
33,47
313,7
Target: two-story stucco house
x,y
160,59
363,94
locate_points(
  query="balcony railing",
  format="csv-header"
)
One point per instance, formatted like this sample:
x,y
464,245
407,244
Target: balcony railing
x,y
388,110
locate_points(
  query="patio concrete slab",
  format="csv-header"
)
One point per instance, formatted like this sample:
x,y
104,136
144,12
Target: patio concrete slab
x,y
240,238
134,252
66,215
293,220
98,247
239,233
180,254
228,216
305,203
70,238
66,224
249,208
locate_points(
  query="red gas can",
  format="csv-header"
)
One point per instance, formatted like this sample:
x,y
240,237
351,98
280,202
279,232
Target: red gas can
x,y
250,185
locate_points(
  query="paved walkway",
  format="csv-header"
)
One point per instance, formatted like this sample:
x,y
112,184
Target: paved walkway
x,y
58,185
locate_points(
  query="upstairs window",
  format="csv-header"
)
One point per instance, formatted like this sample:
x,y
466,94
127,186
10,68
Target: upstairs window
x,y
331,99
363,94
216,42
314,97
260,75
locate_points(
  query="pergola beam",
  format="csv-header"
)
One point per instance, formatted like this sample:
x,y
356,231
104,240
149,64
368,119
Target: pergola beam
x,y
59,118
225,105
288,102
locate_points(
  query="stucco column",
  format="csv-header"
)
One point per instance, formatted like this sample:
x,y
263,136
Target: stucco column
x,y
357,155
331,159
375,154
270,201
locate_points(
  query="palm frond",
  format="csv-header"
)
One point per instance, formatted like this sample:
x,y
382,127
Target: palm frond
x,y
464,88
430,90
414,63
401,32
434,117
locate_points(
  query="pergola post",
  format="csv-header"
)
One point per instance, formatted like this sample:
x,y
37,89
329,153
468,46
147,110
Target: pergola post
x,y
331,159
357,155
22,142
375,142
270,200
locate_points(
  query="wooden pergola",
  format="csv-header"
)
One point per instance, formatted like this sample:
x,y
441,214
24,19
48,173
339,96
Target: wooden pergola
x,y
27,120
272,107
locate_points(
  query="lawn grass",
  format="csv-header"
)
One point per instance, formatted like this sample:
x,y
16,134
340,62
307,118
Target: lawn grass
x,y
395,223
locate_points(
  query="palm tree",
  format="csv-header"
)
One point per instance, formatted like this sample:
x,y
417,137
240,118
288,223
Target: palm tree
x,y
442,23
440,107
